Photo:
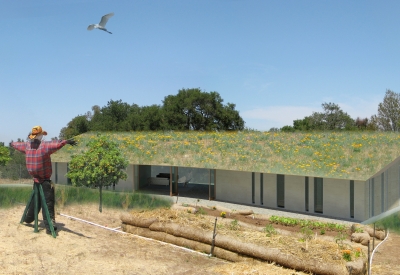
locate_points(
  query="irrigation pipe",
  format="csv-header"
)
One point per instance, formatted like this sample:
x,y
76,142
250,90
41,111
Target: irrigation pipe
x,y
95,224
372,254
141,237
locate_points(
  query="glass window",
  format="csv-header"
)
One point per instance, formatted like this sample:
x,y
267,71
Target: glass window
x,y
318,195
352,198
261,188
280,181
306,193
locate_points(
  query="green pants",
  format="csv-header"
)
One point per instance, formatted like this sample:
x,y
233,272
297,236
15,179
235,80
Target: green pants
x,y
48,191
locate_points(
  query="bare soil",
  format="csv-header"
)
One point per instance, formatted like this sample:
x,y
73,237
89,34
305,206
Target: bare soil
x,y
81,248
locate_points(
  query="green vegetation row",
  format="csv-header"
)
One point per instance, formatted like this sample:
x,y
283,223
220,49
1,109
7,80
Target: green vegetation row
x,y
67,195
287,221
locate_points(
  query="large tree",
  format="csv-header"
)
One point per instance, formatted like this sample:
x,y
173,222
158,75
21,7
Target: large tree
x,y
190,109
332,118
388,117
101,165
193,109
78,125
113,117
151,118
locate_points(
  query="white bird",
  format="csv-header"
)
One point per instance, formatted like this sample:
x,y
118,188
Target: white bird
x,y
102,24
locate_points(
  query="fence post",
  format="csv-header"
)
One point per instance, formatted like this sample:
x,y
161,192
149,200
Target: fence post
x,y
213,239
373,240
368,263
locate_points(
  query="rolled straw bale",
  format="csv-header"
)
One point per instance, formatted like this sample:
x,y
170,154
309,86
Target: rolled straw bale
x,y
197,246
362,238
137,221
183,231
251,250
275,255
184,208
358,267
245,212
380,235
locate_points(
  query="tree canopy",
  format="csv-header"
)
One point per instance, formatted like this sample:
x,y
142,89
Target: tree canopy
x,y
194,109
4,155
190,109
332,118
101,165
388,116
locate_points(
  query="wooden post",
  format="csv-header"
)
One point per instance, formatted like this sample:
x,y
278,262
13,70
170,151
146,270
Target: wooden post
x,y
213,239
36,197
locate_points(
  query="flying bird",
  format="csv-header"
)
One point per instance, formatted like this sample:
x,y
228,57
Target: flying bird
x,y
102,24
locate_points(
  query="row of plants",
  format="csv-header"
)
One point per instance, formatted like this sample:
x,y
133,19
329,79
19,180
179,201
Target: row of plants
x,y
354,155
287,221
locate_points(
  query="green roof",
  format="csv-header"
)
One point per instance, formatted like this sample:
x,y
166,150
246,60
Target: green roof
x,y
354,155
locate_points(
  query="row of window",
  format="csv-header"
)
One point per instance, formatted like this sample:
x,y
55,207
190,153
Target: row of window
x,y
318,193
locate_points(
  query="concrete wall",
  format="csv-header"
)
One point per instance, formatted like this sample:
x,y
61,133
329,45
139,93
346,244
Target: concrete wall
x,y
270,198
257,189
383,199
59,171
128,184
233,186
377,195
311,195
295,193
336,198
393,184
360,200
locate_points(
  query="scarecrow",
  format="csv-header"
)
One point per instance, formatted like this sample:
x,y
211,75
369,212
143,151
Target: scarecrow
x,y
38,163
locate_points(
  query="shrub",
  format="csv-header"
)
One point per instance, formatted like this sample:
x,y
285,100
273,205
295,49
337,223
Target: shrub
x,y
270,230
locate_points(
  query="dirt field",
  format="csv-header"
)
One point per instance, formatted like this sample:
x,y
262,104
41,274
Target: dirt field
x,y
81,248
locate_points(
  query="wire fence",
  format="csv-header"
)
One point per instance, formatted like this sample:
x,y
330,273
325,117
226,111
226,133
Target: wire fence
x,y
14,173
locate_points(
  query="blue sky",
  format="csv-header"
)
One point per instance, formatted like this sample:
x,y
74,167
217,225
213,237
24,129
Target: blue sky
x,y
276,60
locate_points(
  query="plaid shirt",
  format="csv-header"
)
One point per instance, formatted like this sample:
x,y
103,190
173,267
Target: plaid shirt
x,y
38,161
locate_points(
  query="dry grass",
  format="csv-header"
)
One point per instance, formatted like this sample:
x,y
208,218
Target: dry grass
x,y
347,155
255,268
20,181
316,249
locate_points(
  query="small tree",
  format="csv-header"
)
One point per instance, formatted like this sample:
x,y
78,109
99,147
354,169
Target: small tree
x,y
4,154
101,165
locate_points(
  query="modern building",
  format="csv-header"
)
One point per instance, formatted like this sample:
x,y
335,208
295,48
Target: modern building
x,y
345,199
